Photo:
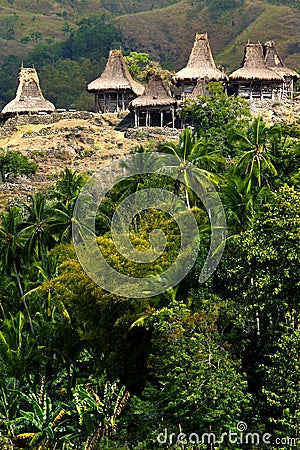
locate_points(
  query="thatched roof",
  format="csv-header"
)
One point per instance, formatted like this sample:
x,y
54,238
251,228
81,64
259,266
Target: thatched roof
x,y
273,61
254,66
115,76
201,63
29,97
155,94
199,89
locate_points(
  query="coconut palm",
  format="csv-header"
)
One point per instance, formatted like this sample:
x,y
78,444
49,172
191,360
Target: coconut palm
x,y
34,229
240,203
11,251
198,161
256,161
67,187
10,245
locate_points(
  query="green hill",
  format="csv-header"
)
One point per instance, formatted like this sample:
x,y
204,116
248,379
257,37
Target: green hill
x,y
168,35
71,38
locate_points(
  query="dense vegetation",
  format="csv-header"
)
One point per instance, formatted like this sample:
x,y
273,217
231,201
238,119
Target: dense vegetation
x,y
82,368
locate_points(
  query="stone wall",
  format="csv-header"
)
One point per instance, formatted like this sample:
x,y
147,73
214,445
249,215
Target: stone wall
x,y
41,119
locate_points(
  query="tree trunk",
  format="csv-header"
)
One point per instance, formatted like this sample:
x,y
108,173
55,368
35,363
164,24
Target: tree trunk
x,y
22,295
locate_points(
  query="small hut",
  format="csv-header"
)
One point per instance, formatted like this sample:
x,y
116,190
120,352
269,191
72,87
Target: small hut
x,y
199,90
115,87
200,65
29,97
155,107
254,79
274,62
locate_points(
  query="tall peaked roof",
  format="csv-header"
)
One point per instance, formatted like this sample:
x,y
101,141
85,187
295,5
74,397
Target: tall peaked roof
x,y
115,76
254,66
29,97
155,94
201,63
273,61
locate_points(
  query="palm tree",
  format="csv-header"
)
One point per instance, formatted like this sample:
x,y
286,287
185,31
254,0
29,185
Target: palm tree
x,y
11,250
35,228
198,162
240,203
10,244
67,187
257,145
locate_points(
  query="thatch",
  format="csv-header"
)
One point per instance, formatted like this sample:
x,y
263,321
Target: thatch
x,y
115,76
274,62
29,97
254,66
201,63
199,89
155,94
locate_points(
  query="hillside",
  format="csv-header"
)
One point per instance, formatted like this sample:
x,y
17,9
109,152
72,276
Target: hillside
x,y
81,141
164,29
169,36
70,39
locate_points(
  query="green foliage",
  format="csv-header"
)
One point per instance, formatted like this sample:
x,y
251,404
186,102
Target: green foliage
x,y
136,62
195,384
228,350
13,163
93,38
217,118
281,377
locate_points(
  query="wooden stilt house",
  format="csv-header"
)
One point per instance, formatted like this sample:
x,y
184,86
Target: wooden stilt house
x,y
115,88
29,97
254,80
155,107
200,65
274,62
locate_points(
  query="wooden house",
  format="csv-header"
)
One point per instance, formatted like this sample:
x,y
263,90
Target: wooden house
x,y
254,79
29,97
274,62
115,88
155,107
200,65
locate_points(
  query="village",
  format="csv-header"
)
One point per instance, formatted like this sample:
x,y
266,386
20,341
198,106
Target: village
x,y
262,77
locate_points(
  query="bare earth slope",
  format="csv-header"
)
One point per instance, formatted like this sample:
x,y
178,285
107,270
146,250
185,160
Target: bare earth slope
x,y
84,144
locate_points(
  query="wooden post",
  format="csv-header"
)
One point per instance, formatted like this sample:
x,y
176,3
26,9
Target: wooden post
x,y
147,118
135,118
123,102
161,119
96,106
173,117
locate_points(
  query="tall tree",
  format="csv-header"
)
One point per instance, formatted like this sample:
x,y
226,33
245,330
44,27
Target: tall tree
x,y
197,160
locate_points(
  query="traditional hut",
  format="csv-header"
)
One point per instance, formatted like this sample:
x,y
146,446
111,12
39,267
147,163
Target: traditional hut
x,y
254,79
199,90
29,97
274,62
200,65
115,87
155,107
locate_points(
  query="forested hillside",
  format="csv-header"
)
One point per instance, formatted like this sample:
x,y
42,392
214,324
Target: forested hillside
x,y
70,40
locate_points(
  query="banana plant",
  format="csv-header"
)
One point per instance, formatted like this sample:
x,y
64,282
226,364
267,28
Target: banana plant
x,y
41,424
